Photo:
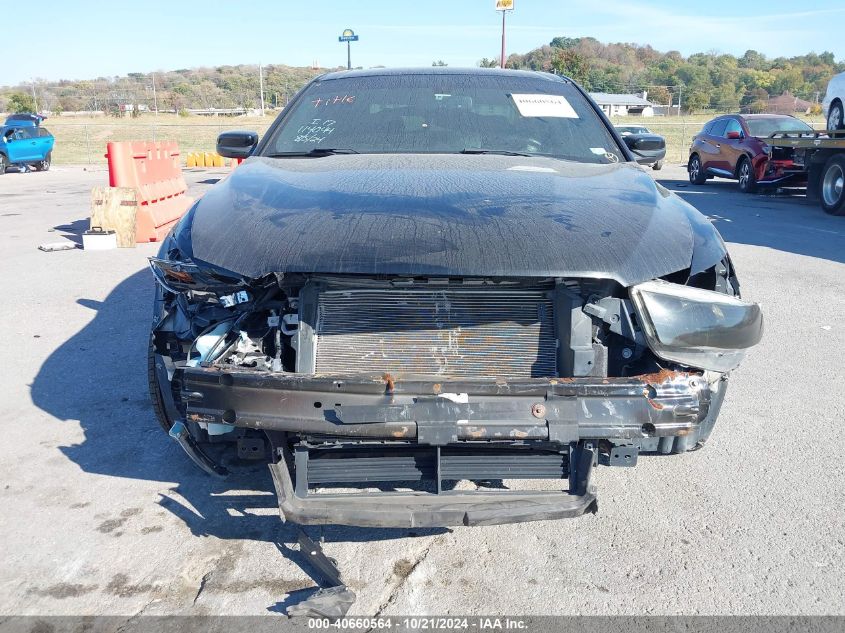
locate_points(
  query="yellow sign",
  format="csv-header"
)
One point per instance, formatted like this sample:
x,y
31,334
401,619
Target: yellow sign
x,y
504,5
350,32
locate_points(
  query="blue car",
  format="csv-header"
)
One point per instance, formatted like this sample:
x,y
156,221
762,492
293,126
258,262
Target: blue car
x,y
24,142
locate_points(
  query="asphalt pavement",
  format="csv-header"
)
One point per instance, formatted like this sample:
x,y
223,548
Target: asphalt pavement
x,y
103,514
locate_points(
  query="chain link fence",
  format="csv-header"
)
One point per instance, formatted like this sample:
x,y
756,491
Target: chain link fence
x,y
84,143
679,130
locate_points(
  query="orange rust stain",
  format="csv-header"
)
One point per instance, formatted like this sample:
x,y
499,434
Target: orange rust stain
x,y
654,404
661,376
401,433
518,433
388,380
437,387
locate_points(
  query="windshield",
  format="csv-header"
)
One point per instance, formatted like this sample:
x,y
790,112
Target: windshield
x,y
445,113
768,126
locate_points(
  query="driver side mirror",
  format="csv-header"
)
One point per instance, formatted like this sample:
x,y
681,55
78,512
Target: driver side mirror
x,y
734,135
639,144
237,144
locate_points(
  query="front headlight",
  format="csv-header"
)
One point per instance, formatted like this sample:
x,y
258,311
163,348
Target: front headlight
x,y
696,327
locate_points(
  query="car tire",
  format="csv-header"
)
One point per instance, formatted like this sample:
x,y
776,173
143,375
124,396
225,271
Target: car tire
x,y
44,165
3,164
832,187
745,174
160,410
695,171
657,166
836,117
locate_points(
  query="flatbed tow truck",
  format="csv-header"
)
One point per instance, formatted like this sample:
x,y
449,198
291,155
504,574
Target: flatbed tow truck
x,y
820,157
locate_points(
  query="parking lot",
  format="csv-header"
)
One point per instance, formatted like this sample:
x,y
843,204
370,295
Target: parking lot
x,y
104,514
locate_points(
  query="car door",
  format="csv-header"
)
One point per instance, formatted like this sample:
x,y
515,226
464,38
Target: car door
x,y
24,145
45,142
711,147
732,149
17,145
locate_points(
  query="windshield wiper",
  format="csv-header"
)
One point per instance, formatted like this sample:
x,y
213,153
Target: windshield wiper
x,y
500,152
316,152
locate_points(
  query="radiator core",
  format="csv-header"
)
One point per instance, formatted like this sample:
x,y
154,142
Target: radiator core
x,y
442,332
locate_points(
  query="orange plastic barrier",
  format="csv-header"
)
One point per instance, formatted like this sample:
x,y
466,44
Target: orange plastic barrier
x,y
153,170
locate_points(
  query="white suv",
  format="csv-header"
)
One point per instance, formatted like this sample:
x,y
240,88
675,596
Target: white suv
x,y
833,103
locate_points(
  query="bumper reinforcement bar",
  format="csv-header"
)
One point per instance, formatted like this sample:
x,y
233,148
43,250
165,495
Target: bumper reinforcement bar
x,y
560,410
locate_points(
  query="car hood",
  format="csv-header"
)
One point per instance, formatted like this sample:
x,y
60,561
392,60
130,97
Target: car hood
x,y
446,215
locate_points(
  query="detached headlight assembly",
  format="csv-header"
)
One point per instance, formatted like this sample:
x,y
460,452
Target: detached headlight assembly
x,y
696,327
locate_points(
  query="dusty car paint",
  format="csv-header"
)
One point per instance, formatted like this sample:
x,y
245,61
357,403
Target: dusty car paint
x,y
448,215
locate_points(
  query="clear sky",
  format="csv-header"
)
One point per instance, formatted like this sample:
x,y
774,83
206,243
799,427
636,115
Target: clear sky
x,y
80,39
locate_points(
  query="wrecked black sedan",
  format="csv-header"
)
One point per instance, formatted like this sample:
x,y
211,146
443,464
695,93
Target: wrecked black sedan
x,y
424,286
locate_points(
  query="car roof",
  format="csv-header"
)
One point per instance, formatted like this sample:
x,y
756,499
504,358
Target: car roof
x,y
442,70
765,116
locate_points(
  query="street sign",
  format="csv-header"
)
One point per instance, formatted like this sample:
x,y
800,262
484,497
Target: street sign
x,y
349,35
504,5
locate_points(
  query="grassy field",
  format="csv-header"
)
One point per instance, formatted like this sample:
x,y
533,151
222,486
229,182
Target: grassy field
x,y
83,140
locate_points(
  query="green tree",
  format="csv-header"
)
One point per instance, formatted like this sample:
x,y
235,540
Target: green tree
x,y
18,102
439,62
568,62
565,42
659,95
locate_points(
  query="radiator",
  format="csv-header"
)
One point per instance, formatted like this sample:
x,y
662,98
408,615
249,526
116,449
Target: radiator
x,y
444,332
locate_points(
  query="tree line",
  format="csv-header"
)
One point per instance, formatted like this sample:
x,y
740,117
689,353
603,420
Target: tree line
x,y
703,81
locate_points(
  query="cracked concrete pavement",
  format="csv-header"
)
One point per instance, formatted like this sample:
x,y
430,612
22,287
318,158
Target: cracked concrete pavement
x,y
103,514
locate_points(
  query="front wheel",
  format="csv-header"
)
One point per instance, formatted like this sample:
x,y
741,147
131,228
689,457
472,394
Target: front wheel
x,y
696,172
833,186
835,117
156,386
44,165
747,179
657,166
3,164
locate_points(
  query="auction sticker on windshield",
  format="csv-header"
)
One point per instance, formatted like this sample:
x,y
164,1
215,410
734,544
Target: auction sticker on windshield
x,y
538,105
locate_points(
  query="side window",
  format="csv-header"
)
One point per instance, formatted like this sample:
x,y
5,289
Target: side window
x,y
718,128
733,126
43,131
707,127
22,133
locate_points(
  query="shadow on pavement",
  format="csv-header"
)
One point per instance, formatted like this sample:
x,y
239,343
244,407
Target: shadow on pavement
x,y
98,378
74,230
785,222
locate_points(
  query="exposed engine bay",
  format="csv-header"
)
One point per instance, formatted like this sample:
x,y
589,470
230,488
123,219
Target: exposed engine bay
x,y
354,380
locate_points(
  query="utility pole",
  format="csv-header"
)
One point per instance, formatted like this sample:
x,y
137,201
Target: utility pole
x,y
680,94
155,98
261,86
34,98
502,64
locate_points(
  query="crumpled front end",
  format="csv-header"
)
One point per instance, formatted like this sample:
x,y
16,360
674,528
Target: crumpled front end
x,y
405,389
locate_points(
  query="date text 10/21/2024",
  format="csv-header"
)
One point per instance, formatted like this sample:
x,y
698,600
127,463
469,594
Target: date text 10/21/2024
x,y
432,623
